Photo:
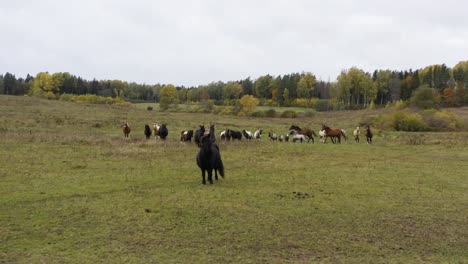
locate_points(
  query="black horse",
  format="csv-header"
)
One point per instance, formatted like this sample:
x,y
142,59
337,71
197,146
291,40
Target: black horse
x,y
147,131
198,134
186,136
233,134
369,135
163,132
209,157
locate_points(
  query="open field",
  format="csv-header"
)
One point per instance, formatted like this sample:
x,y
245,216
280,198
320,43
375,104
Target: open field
x,y
74,190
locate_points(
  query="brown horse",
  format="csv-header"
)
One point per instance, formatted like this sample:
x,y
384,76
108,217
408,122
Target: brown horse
x,y
126,129
333,132
369,135
306,132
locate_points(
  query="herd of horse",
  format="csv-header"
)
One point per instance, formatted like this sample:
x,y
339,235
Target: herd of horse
x,y
209,156
295,134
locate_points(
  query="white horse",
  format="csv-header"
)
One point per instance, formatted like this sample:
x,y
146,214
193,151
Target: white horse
x,y
356,134
247,134
272,136
222,135
296,136
156,130
322,135
258,133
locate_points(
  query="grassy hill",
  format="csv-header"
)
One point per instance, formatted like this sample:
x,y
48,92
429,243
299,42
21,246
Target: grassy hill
x,y
74,190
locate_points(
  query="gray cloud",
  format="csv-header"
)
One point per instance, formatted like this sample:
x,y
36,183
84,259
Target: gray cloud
x,y
196,42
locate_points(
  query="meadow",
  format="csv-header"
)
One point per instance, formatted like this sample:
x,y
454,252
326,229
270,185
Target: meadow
x,y
74,190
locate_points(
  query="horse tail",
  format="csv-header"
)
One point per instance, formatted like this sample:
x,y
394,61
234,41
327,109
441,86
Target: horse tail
x,y
344,134
221,168
313,133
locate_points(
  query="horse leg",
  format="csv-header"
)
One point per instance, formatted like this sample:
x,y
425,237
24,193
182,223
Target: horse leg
x,y
210,176
216,174
203,176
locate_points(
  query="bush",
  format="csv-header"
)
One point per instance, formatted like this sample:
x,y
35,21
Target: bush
x,y
323,106
258,114
310,113
270,113
412,122
442,120
149,108
428,120
289,114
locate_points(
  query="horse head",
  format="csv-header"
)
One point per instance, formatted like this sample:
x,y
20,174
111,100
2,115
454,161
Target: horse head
x,y
324,127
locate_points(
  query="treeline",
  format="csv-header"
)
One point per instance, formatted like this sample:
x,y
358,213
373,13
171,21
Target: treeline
x,y
353,88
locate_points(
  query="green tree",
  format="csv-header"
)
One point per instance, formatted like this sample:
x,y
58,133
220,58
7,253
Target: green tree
x,y
355,87
168,96
425,97
382,81
286,100
263,87
9,83
305,86
2,87
436,76
248,103
460,75
232,90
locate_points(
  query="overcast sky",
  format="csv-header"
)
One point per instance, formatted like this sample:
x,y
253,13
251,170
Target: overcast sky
x,y
197,42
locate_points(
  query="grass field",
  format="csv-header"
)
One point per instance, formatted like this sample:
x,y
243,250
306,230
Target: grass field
x,y
73,190
188,107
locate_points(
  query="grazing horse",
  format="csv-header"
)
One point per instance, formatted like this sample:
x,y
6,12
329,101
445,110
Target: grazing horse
x,y
162,132
209,157
333,132
247,134
272,136
356,134
222,135
233,134
198,134
155,130
306,132
186,136
126,129
369,135
258,133
147,131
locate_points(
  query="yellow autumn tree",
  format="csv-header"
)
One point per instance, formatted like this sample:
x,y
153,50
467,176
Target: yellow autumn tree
x,y
248,103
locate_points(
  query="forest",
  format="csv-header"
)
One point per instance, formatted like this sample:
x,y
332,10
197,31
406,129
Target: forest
x,y
352,89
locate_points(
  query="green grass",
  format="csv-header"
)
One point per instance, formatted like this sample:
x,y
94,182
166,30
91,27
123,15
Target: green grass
x,y
74,190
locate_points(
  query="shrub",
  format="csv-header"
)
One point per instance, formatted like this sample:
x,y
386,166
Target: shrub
x,y
442,120
289,114
228,111
270,113
413,122
149,108
323,105
310,113
258,114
